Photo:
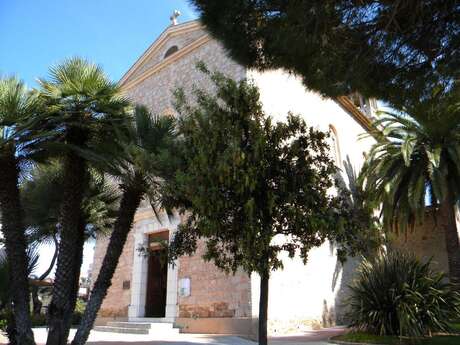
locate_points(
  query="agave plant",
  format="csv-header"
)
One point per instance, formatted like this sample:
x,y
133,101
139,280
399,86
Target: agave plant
x,y
396,294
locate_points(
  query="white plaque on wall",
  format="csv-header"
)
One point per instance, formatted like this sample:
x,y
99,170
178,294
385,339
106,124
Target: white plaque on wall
x,y
184,287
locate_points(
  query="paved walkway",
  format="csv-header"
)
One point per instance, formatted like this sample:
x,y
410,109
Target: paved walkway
x,y
106,338
318,337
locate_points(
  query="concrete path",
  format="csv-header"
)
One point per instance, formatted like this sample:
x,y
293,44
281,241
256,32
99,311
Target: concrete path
x,y
318,337
313,337
106,338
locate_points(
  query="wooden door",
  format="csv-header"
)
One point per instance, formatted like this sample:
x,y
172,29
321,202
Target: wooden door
x,y
155,304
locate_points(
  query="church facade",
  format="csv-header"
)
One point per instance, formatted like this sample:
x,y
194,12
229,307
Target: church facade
x,y
194,294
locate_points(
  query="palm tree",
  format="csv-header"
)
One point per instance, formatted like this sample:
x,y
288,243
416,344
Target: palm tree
x,y
5,288
41,197
417,159
87,114
150,160
363,229
18,108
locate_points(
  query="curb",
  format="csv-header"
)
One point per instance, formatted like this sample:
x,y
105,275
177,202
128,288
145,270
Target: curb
x,y
343,342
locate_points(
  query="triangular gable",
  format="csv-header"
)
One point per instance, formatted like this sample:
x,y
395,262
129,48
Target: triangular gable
x,y
193,28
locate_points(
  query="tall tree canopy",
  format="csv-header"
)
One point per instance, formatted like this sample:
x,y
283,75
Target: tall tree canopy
x,y
252,188
397,51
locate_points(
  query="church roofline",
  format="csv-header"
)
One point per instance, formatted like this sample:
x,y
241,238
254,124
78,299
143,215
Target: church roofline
x,y
354,112
190,26
170,31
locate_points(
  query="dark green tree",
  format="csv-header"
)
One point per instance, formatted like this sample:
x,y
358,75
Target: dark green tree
x,y
398,51
87,116
250,187
149,160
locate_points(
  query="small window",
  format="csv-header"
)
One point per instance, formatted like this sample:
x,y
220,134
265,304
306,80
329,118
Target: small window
x,y
171,51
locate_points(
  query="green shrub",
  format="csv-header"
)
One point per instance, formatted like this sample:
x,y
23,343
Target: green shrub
x,y
78,312
396,294
80,306
2,324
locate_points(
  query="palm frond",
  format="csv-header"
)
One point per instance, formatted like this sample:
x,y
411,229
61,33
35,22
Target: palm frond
x,y
413,158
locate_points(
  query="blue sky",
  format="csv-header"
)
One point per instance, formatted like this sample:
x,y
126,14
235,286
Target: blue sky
x,y
35,34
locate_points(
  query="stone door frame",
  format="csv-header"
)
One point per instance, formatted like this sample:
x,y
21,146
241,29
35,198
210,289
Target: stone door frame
x,y
143,229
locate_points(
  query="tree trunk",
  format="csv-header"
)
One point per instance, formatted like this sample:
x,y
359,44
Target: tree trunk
x,y
128,206
36,304
71,243
451,237
263,307
78,261
15,244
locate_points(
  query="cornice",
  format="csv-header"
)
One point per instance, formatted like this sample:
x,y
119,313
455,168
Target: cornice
x,y
166,62
170,31
357,114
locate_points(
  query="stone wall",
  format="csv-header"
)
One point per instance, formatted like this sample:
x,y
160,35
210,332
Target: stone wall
x,y
118,297
425,240
156,91
179,41
211,296
214,294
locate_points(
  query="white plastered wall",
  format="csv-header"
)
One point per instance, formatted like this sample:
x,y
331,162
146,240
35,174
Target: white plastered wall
x,y
305,294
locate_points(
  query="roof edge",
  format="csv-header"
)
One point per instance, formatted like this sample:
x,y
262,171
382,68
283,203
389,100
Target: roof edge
x,y
357,114
171,30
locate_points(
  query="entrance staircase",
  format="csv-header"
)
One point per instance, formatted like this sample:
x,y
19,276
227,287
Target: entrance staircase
x,y
158,328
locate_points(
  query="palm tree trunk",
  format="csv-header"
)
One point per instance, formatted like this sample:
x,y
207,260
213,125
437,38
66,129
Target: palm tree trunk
x,y
78,261
65,278
36,304
263,307
129,203
15,243
451,235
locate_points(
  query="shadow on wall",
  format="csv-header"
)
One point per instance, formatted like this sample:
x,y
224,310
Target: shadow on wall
x,y
346,272
335,313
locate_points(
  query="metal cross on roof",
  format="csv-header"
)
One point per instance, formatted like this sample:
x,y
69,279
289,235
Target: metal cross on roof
x,y
174,17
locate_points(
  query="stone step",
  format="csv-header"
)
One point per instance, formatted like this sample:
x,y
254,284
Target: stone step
x,y
128,324
151,319
139,328
126,330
